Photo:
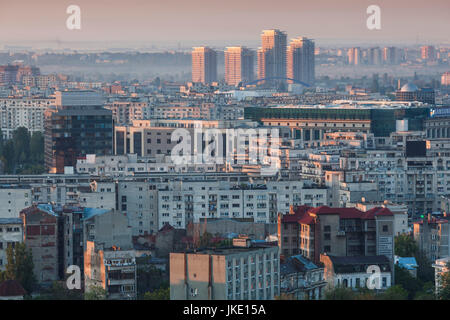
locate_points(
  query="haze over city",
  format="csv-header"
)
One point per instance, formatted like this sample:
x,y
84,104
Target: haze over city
x,y
182,24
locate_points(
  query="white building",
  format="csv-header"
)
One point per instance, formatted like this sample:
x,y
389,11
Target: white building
x,y
183,202
23,112
11,232
440,267
14,198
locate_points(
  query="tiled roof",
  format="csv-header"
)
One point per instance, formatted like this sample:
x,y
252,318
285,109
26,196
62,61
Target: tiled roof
x,y
11,288
303,213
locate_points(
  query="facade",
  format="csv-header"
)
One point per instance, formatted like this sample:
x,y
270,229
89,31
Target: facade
x,y
186,202
433,237
13,74
42,234
112,269
445,79
336,231
300,60
272,54
301,279
11,232
440,266
204,65
79,126
356,272
23,112
239,65
354,56
14,198
238,273
410,92
428,53
124,112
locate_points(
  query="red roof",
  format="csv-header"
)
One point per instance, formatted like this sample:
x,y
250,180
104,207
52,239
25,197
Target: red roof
x,y
299,212
304,214
433,220
378,211
11,288
344,213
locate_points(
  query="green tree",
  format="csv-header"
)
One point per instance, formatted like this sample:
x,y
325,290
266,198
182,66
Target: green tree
x,y
444,291
150,278
95,293
8,156
160,294
396,292
407,281
37,148
59,291
20,266
425,270
21,141
339,293
405,246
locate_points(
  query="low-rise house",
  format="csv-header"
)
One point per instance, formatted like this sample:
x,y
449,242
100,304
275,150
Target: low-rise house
x,y
407,263
301,279
11,290
373,272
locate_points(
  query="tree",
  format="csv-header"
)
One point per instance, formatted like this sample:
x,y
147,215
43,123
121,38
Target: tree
x,y
444,291
59,291
20,266
21,140
150,278
95,293
339,293
37,148
405,246
396,292
160,294
425,270
407,281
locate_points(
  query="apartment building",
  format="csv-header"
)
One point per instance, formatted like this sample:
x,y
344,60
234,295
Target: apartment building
x,y
301,279
23,112
336,231
42,234
433,236
130,164
14,197
186,202
11,232
236,273
113,269
124,112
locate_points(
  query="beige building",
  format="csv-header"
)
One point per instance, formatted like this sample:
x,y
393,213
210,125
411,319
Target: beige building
x,y
272,54
238,273
238,65
112,269
300,60
204,65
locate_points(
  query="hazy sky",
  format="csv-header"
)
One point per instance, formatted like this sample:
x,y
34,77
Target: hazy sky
x,y
227,22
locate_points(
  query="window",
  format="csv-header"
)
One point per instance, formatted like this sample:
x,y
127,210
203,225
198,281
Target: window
x,y
385,228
